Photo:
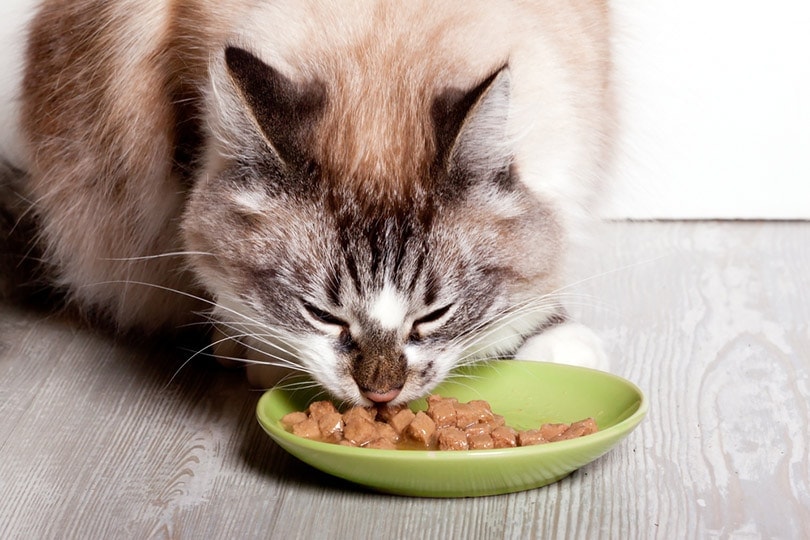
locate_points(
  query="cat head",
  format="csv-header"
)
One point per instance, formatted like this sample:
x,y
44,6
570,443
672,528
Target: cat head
x,y
379,248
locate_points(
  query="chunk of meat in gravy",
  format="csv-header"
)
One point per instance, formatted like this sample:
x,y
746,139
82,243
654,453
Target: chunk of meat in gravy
x,y
452,438
504,437
369,413
331,426
578,429
289,420
421,430
307,429
480,441
442,411
552,431
360,431
385,431
402,420
321,408
446,425
530,437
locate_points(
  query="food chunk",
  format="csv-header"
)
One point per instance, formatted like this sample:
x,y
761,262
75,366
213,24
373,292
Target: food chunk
x,y
421,429
504,437
479,429
530,437
445,425
359,431
307,429
552,431
402,420
578,429
442,411
331,427
289,420
321,408
480,441
385,431
368,413
452,438
387,412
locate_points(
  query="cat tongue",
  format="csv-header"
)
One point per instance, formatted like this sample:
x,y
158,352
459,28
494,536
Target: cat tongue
x,y
381,398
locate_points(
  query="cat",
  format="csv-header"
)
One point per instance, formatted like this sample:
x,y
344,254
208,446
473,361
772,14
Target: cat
x,y
371,192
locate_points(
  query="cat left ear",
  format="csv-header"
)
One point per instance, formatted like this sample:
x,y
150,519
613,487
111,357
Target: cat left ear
x,y
471,129
284,110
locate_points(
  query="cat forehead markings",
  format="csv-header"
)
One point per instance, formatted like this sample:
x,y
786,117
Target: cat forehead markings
x,y
389,308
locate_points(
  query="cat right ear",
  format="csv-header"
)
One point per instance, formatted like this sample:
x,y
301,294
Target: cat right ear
x,y
471,130
283,109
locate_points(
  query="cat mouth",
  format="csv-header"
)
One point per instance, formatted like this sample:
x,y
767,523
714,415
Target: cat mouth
x,y
381,397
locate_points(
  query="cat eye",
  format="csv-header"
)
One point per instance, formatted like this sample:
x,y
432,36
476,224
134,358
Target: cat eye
x,y
323,316
433,316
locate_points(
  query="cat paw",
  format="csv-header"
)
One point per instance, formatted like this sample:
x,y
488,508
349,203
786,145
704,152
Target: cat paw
x,y
567,343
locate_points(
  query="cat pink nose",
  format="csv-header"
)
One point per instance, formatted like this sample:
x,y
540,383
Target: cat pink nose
x,y
377,397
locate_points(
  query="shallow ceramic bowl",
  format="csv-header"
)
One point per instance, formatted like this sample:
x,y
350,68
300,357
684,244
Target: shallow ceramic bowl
x,y
527,394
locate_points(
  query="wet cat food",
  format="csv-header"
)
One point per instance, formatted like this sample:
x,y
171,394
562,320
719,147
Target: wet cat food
x,y
445,425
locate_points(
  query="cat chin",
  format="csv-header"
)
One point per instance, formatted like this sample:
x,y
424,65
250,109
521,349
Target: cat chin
x,y
566,343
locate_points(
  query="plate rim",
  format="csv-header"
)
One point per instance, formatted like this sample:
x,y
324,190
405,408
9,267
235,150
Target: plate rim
x,y
274,429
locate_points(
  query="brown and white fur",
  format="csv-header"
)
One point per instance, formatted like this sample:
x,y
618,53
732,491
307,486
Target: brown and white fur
x,y
373,192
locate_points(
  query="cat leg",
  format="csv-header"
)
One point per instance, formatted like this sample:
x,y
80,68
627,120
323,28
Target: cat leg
x,y
566,343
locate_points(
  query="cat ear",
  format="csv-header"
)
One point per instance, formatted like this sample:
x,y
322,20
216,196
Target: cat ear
x,y
284,110
471,129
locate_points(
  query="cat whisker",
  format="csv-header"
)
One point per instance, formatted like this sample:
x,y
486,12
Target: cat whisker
x,y
244,321
460,377
267,336
487,323
497,323
156,286
262,339
503,319
160,256
554,299
295,386
301,385
278,361
549,302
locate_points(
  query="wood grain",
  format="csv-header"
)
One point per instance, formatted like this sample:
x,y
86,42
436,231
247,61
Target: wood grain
x,y
101,439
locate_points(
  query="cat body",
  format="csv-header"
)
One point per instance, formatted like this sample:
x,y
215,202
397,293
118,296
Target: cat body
x,y
373,192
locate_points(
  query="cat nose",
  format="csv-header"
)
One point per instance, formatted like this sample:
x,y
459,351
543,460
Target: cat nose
x,y
378,397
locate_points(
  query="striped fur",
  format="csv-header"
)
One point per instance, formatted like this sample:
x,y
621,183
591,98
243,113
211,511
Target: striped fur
x,y
375,189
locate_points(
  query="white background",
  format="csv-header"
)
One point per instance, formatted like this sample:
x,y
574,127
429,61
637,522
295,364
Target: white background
x,y
716,109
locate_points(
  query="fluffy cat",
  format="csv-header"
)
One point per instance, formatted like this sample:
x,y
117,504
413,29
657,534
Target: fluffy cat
x,y
372,192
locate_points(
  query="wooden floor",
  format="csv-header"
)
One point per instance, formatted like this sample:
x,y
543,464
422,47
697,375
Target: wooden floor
x,y
712,320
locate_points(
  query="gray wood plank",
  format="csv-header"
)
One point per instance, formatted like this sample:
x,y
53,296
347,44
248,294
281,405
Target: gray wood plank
x,y
100,439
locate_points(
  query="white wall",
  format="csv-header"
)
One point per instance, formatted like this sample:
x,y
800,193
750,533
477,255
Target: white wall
x,y
716,98
14,16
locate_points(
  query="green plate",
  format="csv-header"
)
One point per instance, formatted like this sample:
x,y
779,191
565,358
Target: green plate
x,y
527,394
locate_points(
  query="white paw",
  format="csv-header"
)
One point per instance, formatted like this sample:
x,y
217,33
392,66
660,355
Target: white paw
x,y
567,343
